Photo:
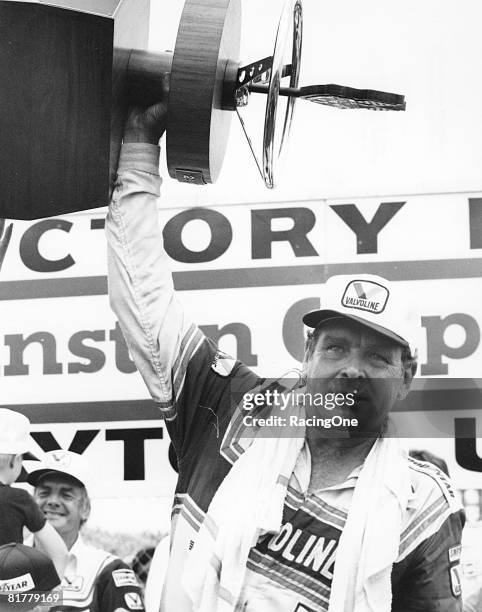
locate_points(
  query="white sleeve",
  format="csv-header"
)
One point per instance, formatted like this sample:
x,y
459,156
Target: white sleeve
x,y
160,337
156,576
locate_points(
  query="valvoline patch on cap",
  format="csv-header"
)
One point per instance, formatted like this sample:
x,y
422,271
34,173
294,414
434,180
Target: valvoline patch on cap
x,y
365,295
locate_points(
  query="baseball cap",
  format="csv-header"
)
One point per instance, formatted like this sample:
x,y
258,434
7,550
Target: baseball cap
x,y
24,569
63,462
371,300
14,432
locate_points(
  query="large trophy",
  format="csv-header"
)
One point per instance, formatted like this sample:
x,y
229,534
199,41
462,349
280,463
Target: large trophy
x,y
69,69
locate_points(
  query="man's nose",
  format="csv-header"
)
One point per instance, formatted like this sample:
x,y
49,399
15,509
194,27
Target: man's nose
x,y
353,368
352,371
52,500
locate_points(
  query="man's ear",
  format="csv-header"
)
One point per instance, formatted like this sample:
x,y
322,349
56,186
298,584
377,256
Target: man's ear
x,y
85,510
409,369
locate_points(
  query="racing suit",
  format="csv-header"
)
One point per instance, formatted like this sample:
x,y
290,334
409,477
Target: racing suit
x,y
194,385
96,581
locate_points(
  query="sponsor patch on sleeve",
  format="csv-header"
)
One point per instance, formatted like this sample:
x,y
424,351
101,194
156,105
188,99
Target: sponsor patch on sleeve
x,y
124,577
456,580
223,364
455,554
133,601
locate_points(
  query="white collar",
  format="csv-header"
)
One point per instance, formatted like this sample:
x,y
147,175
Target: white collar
x,y
302,472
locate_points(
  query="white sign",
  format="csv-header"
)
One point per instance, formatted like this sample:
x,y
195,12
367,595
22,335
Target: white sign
x,y
246,274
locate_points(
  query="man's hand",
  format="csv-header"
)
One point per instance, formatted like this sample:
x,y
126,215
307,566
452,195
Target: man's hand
x,y
5,235
148,124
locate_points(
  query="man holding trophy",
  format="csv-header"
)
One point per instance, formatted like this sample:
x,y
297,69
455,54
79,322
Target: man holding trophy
x,y
308,521
283,518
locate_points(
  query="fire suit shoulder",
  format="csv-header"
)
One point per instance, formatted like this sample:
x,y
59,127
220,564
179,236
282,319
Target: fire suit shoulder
x,y
118,587
113,564
213,385
429,482
428,579
433,501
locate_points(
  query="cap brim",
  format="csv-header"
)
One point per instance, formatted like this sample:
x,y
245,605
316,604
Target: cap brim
x,y
314,318
34,477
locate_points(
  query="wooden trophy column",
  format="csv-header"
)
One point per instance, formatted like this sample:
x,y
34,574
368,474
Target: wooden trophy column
x,y
63,99
69,69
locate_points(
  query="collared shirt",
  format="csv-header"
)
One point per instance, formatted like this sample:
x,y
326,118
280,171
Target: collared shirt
x,y
302,555
97,581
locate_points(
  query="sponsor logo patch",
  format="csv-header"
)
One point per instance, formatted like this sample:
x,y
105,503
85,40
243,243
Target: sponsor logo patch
x,y
455,553
456,580
365,295
124,577
223,364
133,601
20,584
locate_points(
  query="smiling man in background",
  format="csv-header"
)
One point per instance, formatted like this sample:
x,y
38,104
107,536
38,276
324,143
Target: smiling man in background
x,y
95,580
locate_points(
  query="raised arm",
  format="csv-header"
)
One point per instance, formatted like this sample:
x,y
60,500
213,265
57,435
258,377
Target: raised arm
x,y
159,335
191,381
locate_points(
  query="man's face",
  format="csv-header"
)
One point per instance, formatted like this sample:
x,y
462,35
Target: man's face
x,y
351,358
64,503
